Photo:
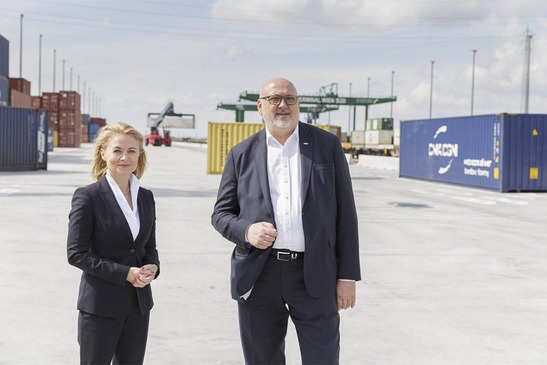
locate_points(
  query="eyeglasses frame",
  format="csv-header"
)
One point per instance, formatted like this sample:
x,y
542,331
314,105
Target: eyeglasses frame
x,y
267,98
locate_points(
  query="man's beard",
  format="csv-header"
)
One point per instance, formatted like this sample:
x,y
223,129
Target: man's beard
x,y
282,123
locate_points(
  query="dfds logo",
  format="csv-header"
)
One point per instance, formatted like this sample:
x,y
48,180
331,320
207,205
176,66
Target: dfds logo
x,y
443,150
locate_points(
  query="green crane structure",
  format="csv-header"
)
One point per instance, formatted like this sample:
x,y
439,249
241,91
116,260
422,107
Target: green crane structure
x,y
328,97
240,109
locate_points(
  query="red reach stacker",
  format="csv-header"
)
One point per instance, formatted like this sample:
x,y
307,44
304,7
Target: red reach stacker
x,y
155,138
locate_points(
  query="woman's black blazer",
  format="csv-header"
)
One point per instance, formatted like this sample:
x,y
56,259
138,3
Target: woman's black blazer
x,y
100,243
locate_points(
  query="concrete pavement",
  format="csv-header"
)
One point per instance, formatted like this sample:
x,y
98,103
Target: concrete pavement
x,y
452,275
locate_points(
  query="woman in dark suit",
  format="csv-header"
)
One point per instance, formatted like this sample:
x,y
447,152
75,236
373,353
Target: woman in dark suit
x,y
112,239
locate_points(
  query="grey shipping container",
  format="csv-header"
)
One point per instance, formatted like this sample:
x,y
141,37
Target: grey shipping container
x,y
23,139
4,57
504,152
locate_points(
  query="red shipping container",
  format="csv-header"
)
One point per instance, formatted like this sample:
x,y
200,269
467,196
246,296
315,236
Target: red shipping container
x,y
70,118
20,100
67,119
84,136
21,85
53,120
69,137
50,101
36,102
69,100
98,121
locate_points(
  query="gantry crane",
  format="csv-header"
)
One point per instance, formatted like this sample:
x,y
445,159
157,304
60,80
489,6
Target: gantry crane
x,y
311,111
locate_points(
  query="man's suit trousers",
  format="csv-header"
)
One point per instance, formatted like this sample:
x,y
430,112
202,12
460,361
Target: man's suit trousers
x,y
280,293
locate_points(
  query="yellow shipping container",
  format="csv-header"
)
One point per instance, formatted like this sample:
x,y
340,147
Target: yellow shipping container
x,y
334,129
221,137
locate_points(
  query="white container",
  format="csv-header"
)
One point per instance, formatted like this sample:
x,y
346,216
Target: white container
x,y
358,137
397,137
378,137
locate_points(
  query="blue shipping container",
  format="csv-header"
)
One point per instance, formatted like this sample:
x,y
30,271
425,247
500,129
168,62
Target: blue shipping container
x,y
504,152
4,57
4,91
93,130
23,139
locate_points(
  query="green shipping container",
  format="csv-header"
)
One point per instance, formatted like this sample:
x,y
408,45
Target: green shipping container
x,y
384,124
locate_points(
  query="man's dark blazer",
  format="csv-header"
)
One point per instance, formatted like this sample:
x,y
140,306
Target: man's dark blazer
x,y
328,211
100,243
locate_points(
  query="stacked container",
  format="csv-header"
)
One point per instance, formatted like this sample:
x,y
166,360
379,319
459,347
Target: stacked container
x,y
84,136
4,71
20,93
50,102
94,125
379,131
101,122
36,102
93,130
504,152
70,119
64,117
385,124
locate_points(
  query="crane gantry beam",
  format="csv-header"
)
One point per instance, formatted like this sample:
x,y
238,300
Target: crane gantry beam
x,y
330,98
241,108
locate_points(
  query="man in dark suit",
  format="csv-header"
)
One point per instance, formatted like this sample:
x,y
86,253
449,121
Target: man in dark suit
x,y
286,201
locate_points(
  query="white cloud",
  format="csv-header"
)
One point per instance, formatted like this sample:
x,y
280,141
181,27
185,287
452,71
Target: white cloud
x,y
234,51
199,55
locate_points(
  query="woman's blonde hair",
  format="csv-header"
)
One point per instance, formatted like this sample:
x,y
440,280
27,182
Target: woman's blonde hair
x,y
104,136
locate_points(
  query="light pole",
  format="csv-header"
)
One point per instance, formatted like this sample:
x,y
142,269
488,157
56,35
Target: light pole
x,y
21,49
526,76
473,81
349,113
391,104
40,68
431,91
63,78
54,61
366,106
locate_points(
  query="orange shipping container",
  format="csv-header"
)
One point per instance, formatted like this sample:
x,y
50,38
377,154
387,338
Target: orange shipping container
x,y
20,100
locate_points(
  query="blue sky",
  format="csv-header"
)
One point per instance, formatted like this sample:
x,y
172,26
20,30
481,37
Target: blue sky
x,y
136,55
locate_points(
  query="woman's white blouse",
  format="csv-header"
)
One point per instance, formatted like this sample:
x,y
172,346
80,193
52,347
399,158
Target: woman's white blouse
x,y
131,215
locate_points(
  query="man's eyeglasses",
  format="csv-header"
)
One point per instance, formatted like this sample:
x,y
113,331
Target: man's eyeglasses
x,y
276,99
